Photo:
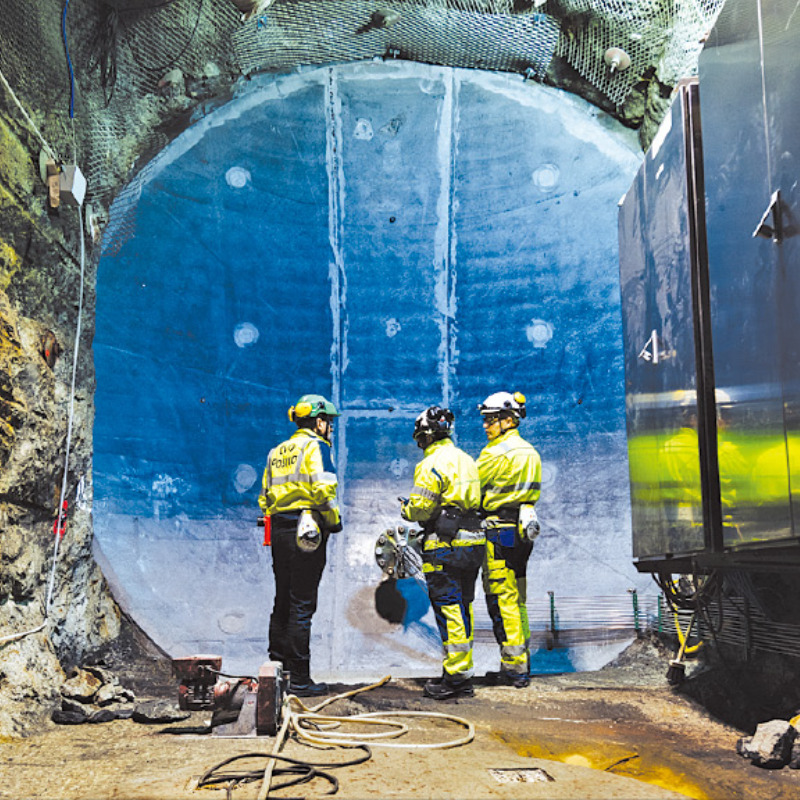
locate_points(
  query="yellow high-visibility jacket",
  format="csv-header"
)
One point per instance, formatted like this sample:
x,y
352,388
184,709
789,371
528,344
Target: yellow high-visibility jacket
x,y
446,476
299,475
681,492
510,471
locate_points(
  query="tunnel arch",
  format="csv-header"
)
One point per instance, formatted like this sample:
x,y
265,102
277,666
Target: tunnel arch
x,y
389,234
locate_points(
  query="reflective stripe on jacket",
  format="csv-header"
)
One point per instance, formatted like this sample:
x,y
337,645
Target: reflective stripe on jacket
x,y
510,471
299,474
446,476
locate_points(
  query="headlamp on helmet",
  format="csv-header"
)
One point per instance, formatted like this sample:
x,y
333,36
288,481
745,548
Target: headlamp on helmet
x,y
434,423
501,404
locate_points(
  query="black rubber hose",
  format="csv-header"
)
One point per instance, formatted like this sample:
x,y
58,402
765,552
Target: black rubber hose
x,y
304,771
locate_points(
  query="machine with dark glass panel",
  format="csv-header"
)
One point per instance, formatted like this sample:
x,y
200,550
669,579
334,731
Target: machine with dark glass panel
x,y
665,415
710,274
781,36
750,103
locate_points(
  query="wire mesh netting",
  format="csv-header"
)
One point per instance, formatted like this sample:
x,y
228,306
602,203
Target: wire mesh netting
x,y
102,109
126,67
567,621
660,37
469,35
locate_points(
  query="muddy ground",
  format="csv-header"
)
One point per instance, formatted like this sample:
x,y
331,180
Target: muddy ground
x,y
622,732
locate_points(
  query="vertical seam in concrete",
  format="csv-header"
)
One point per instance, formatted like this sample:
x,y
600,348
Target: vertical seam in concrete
x,y
335,168
452,356
336,187
442,250
336,271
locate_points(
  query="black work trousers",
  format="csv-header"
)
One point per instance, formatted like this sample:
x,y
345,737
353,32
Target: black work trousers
x,y
297,577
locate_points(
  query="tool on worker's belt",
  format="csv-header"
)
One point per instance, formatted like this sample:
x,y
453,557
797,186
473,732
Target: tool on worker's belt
x,y
241,705
60,522
528,522
309,533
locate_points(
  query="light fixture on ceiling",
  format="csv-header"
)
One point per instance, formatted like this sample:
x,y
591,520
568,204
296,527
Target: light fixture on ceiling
x,y
616,59
250,8
382,18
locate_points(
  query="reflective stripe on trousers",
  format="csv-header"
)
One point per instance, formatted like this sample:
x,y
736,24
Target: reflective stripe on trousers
x,y
451,574
505,602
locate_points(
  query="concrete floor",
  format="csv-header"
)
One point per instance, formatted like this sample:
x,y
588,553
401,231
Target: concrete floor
x,y
621,732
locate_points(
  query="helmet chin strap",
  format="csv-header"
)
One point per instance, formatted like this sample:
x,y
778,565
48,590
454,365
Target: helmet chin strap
x,y
506,424
326,425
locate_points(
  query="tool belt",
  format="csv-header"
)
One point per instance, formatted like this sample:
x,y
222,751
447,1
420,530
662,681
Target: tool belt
x,y
509,514
452,519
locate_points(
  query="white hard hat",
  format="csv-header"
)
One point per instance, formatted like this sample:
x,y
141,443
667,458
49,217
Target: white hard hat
x,y
504,403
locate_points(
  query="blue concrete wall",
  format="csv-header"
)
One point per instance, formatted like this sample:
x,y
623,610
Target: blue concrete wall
x,y
390,235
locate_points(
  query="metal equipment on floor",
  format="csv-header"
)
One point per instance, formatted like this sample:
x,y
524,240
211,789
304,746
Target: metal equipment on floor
x,y
241,705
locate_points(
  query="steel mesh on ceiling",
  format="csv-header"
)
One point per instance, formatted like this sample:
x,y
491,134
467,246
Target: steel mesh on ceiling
x,y
661,37
468,35
106,106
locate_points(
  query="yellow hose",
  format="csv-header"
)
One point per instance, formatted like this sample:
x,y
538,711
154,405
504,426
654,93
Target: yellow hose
x,y
683,637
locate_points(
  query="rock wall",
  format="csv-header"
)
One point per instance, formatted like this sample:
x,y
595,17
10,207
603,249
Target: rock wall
x,y
40,287
55,607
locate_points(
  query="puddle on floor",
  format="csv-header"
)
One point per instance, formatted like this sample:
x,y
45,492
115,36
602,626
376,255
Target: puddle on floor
x,y
613,757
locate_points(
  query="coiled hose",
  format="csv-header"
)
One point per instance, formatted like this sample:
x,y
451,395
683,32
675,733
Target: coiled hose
x,y
322,730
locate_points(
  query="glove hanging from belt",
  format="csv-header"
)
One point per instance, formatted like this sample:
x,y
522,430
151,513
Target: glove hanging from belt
x,y
527,523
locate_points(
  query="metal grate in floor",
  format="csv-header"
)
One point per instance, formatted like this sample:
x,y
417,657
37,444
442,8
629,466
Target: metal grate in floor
x,y
525,775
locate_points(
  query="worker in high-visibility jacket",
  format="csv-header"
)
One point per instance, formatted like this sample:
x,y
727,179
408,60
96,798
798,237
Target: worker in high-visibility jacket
x,y
445,500
510,471
299,496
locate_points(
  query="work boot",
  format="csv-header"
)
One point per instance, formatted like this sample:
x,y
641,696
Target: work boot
x,y
519,680
309,689
446,687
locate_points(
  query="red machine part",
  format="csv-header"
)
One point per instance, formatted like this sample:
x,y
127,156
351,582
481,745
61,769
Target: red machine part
x,y
197,676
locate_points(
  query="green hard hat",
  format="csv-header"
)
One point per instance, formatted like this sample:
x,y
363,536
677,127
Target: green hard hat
x,y
311,406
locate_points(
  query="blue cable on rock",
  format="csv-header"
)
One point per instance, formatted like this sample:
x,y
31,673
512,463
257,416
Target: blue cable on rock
x,y
69,61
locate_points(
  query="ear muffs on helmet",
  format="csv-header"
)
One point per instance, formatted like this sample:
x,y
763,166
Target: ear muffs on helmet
x,y
302,410
310,406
